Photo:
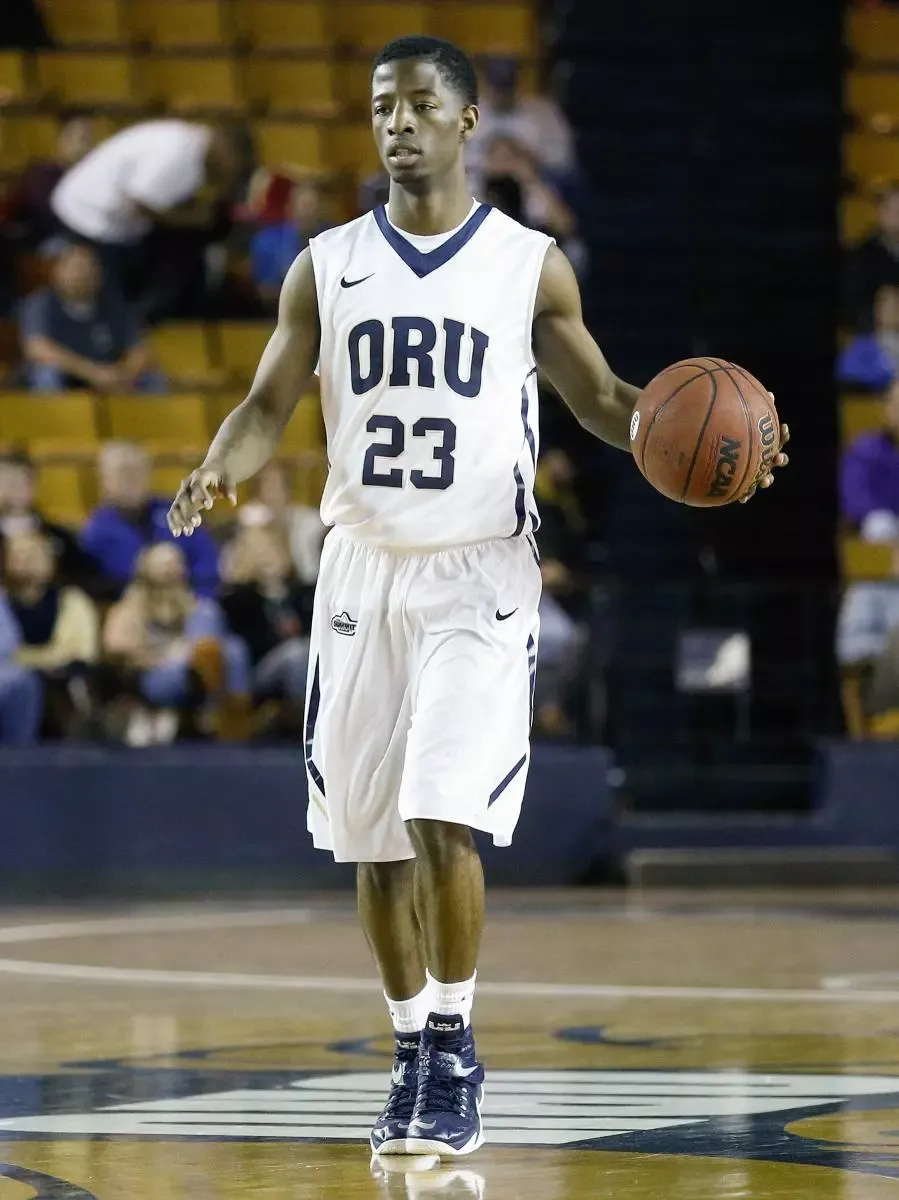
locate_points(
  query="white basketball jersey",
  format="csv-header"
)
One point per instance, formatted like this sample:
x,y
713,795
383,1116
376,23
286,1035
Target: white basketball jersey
x,y
428,380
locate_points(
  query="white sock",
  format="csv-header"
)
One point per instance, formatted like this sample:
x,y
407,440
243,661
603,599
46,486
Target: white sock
x,y
452,999
409,1016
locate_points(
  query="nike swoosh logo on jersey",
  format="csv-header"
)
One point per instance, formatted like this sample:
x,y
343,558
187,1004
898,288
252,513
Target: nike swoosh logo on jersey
x,y
347,283
505,616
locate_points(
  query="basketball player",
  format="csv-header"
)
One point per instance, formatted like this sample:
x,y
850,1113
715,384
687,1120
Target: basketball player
x,y
426,319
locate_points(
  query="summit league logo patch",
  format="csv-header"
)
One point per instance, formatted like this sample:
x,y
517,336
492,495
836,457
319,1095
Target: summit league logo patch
x,y
344,623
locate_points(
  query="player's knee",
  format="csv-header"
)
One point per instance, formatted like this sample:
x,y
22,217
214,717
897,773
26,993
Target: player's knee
x,y
439,842
383,878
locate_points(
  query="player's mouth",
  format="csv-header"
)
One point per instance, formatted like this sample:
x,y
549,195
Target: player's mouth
x,y
402,153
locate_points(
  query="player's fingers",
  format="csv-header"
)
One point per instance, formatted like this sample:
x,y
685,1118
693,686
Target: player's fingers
x,y
185,511
784,435
176,516
749,495
781,460
766,481
202,493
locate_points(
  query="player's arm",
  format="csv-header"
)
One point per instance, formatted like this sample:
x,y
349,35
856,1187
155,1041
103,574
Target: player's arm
x,y
248,436
572,360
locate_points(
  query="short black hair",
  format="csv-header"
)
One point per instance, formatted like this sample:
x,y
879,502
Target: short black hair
x,y
453,64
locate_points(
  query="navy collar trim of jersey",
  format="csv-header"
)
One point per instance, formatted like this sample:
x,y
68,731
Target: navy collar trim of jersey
x,y
424,263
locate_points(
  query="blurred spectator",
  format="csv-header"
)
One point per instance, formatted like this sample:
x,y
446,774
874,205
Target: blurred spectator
x,y
59,627
869,478
560,538
871,360
275,247
542,205
130,519
298,524
168,174
868,652
21,696
874,262
19,515
77,136
176,645
536,122
75,333
269,610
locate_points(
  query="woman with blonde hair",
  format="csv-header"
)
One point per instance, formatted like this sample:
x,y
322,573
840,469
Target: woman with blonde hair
x,y
179,647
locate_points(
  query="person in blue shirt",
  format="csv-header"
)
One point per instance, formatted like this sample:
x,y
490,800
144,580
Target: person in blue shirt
x,y
131,519
21,693
78,334
274,248
871,360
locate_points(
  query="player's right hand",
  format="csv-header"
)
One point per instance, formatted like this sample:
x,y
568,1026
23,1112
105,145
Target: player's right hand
x,y
198,492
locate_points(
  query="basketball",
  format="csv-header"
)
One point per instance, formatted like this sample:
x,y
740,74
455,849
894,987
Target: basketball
x,y
703,431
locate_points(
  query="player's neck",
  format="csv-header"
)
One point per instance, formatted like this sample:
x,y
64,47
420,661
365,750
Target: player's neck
x,y
426,213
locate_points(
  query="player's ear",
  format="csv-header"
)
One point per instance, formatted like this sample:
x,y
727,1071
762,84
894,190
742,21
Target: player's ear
x,y
470,118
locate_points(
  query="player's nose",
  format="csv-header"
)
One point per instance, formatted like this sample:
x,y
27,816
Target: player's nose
x,y
402,121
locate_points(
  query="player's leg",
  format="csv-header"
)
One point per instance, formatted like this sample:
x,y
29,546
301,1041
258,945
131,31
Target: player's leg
x,y
465,767
357,713
386,899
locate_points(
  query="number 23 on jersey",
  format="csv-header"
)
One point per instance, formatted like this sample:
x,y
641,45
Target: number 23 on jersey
x,y
414,341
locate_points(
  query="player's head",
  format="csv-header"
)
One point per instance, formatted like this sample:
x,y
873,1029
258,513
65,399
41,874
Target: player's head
x,y
424,109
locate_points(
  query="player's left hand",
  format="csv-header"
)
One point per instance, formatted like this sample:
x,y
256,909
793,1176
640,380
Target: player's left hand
x,y
780,460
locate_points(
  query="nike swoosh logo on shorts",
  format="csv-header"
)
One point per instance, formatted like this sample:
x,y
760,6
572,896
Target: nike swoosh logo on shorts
x,y
347,283
505,616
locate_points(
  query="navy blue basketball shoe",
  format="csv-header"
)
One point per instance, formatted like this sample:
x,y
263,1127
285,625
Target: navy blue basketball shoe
x,y
447,1116
389,1133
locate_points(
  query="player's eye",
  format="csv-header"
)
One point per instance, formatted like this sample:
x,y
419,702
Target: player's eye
x,y
422,106
381,110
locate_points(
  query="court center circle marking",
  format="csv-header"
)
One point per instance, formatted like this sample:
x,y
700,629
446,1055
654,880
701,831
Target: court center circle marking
x,y
829,993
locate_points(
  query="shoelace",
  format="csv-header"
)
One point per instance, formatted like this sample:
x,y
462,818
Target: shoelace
x,y
401,1100
438,1090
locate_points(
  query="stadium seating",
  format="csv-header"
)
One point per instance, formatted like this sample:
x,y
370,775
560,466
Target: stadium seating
x,y
859,414
290,85
873,34
857,217
13,77
492,28
62,494
193,84
25,138
162,421
70,415
240,346
290,144
352,149
177,24
871,159
183,352
367,25
103,79
865,560
87,22
873,97
284,25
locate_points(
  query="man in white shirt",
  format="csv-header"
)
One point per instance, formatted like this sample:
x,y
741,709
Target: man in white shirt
x,y
171,174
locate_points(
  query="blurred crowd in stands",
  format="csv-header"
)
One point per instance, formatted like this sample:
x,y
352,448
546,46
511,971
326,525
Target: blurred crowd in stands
x,y
114,631
868,626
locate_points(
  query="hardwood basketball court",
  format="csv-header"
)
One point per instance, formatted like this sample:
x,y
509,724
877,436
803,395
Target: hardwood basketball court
x,y
668,1045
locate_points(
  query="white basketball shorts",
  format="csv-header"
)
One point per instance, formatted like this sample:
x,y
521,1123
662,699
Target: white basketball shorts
x,y
420,692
